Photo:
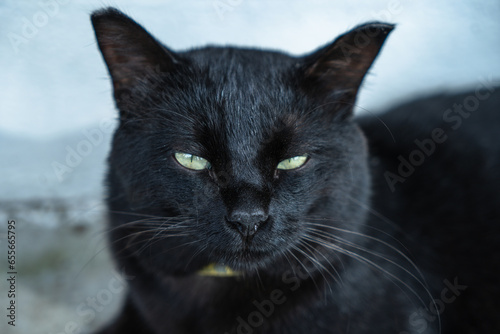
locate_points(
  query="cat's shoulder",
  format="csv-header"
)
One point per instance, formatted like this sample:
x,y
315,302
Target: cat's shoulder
x,y
457,131
436,160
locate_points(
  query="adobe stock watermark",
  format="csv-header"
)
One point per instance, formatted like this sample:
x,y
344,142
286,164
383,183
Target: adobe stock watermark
x,y
419,321
32,25
453,118
221,7
76,154
87,310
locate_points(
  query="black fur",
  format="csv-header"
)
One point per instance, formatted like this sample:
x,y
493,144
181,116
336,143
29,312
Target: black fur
x,y
324,252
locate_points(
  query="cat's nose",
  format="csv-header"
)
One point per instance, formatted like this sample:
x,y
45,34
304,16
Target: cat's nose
x,y
247,222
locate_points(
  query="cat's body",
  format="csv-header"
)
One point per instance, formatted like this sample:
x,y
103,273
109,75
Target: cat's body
x,y
280,195
447,203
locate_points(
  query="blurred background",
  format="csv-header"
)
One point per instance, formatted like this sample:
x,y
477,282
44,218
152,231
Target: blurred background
x,y
57,116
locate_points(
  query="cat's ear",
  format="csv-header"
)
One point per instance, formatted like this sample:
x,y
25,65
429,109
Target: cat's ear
x,y
131,54
335,72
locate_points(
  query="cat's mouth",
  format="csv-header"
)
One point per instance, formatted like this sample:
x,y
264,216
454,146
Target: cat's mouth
x,y
217,270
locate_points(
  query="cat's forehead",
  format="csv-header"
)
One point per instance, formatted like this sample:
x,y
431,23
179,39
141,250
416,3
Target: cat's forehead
x,y
247,121
251,96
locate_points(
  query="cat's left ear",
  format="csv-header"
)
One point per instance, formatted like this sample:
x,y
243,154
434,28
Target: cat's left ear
x,y
132,55
335,72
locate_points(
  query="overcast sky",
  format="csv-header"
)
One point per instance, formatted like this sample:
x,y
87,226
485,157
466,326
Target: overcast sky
x,y
53,80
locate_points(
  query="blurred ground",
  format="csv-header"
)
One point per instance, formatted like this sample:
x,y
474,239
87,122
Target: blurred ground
x,y
65,280
64,271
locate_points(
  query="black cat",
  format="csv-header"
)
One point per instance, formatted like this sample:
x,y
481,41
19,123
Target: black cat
x,y
242,198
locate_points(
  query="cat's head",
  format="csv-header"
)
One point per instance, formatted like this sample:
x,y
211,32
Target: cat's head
x,y
235,156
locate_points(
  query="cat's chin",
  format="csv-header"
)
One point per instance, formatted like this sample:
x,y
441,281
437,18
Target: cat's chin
x,y
247,262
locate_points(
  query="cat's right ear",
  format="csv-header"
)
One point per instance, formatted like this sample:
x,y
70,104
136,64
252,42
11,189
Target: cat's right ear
x,y
335,72
132,55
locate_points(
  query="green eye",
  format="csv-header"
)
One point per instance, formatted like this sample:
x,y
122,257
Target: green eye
x,y
292,163
192,161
